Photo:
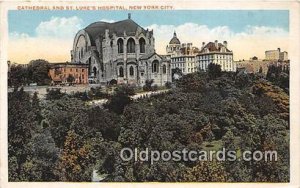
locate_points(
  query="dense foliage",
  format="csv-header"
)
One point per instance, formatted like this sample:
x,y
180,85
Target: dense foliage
x,y
64,139
35,72
279,75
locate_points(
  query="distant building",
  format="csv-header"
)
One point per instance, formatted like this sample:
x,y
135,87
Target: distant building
x,y
254,58
283,56
59,73
182,56
276,55
216,53
186,64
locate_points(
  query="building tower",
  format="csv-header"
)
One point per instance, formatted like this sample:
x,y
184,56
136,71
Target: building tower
x,y
174,46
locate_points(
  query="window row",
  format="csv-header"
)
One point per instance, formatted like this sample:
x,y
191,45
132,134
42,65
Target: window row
x,y
178,59
215,56
71,69
155,69
131,45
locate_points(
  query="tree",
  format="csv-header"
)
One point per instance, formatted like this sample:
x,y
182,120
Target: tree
x,y
276,94
70,78
214,70
17,76
64,114
54,94
279,75
260,69
206,171
168,85
148,85
107,123
75,159
194,82
43,157
22,123
38,72
120,99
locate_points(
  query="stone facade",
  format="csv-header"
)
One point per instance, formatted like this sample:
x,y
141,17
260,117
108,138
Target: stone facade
x,y
276,55
122,51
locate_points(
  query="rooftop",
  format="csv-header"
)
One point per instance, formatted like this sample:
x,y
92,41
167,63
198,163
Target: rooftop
x,y
174,40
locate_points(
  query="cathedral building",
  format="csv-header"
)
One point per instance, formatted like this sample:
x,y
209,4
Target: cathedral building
x,y
122,52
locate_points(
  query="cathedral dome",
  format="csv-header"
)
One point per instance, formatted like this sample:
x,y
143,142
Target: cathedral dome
x,y
127,26
174,40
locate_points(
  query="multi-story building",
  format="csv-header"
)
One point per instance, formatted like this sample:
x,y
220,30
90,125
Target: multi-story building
x,y
122,51
283,56
185,63
182,56
216,53
61,73
276,55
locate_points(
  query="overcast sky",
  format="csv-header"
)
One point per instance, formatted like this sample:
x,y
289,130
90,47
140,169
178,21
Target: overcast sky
x,y
49,34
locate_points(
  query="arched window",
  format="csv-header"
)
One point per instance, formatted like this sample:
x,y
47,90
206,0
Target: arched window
x,y
142,45
120,45
155,66
95,71
81,52
131,71
164,69
130,46
121,72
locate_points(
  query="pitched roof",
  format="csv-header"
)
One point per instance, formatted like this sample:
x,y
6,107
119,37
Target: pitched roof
x,y
213,48
189,50
147,56
98,28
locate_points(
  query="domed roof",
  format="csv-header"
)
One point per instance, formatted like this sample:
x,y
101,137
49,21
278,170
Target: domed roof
x,y
174,40
97,29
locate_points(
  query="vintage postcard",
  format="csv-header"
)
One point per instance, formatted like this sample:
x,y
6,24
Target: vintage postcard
x,y
193,93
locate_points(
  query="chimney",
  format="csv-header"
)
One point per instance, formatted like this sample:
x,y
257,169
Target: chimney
x,y
203,44
278,49
216,43
225,43
129,15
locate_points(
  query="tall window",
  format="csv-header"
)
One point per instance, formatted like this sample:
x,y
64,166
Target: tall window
x,y
155,66
164,69
81,53
130,46
120,46
142,45
131,71
121,72
95,71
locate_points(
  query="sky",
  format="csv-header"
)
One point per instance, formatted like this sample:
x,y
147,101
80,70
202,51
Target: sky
x,y
49,34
